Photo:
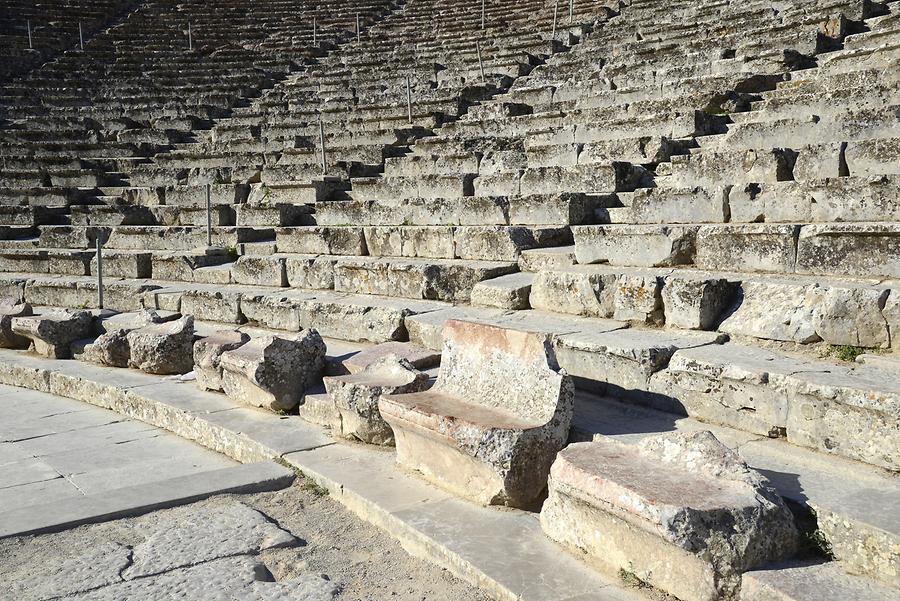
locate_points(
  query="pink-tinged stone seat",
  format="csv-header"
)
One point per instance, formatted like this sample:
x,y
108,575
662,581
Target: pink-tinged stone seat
x,y
490,427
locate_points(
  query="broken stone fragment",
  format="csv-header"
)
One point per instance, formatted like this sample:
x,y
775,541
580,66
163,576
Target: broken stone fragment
x,y
111,349
51,333
420,357
164,348
356,397
695,303
680,511
10,308
208,351
273,371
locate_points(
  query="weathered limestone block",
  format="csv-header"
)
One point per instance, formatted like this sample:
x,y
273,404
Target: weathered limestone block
x,y
576,290
208,351
497,243
506,292
638,245
807,312
164,348
211,304
273,372
489,428
891,314
852,316
310,272
321,240
51,333
434,242
356,397
854,249
679,205
260,271
822,581
419,356
852,411
613,359
747,247
638,298
111,348
680,511
695,303
10,308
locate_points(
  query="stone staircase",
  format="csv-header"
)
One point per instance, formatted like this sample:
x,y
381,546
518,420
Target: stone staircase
x,y
700,206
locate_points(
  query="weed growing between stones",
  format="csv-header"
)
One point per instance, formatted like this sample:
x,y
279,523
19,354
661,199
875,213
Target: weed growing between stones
x,y
845,352
314,488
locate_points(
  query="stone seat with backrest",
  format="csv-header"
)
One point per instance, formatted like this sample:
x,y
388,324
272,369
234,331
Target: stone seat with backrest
x,y
493,422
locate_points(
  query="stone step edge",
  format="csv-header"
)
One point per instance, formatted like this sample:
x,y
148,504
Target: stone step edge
x,y
102,386
136,500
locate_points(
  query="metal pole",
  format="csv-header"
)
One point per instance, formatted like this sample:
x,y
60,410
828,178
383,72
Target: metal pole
x,y
571,11
99,274
482,14
357,29
553,35
480,62
208,215
314,31
408,100
80,36
30,44
190,37
322,145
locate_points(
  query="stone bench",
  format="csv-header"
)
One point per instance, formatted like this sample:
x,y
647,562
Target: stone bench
x,y
680,512
490,427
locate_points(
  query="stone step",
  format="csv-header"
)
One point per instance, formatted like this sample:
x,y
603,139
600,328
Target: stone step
x,y
809,582
862,249
488,243
798,309
840,503
564,209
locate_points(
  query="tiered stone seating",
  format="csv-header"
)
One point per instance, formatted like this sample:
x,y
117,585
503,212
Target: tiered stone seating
x,y
54,28
695,210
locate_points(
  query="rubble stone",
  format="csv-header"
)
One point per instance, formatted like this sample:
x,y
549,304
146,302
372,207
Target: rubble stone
x,y
273,371
164,348
207,352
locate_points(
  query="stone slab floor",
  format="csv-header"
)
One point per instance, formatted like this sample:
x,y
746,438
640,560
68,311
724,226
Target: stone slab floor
x,y
295,544
291,545
54,449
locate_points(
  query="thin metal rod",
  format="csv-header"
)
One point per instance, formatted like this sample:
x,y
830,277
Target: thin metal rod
x,y
314,31
208,215
571,11
357,29
99,273
553,35
322,146
482,14
80,36
190,37
408,100
480,62
30,43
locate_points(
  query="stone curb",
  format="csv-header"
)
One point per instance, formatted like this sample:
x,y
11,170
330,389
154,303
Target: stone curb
x,y
135,500
501,551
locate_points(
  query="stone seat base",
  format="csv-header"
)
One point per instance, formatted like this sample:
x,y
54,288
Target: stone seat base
x,y
428,430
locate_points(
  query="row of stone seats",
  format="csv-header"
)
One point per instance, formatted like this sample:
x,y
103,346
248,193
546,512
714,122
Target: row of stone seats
x,y
32,33
66,122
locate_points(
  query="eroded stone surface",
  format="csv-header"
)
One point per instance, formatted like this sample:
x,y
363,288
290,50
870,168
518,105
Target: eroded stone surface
x,y
356,396
10,308
273,371
84,570
163,348
207,352
491,425
52,332
680,511
193,535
